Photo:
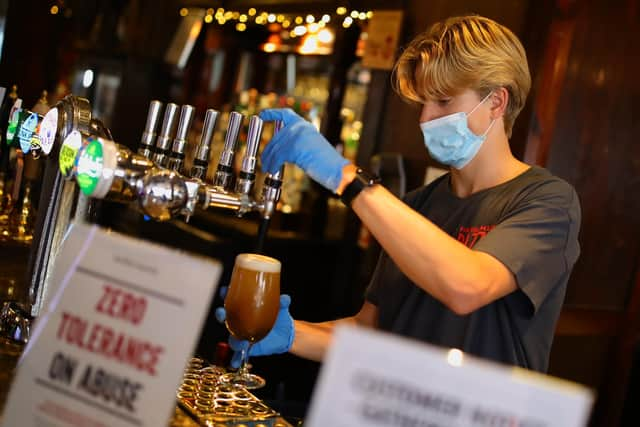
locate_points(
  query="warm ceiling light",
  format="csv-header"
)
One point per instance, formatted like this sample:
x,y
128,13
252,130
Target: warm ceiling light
x,y
251,12
369,14
243,18
362,16
309,45
341,10
286,23
300,30
269,47
240,26
325,18
310,19
325,36
210,11
299,20
280,18
354,14
208,19
183,12
347,22
271,18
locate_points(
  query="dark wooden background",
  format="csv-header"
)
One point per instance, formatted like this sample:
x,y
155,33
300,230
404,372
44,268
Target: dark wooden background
x,y
579,122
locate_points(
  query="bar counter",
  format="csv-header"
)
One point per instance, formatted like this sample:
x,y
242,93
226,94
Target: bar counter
x,y
10,353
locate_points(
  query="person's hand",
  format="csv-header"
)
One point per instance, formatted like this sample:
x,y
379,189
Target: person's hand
x,y
277,341
299,142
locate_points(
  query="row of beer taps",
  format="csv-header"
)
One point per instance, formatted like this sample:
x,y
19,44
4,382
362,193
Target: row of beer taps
x,y
155,176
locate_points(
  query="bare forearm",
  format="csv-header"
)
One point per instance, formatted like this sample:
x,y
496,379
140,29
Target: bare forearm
x,y
454,274
313,339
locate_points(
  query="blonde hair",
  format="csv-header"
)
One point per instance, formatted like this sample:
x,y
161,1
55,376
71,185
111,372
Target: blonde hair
x,y
465,52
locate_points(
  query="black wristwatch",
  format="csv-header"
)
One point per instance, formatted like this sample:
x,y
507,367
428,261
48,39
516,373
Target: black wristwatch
x,y
362,180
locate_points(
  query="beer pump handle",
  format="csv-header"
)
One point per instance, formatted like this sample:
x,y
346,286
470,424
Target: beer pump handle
x,y
224,172
248,170
201,159
272,187
163,141
278,124
149,134
176,158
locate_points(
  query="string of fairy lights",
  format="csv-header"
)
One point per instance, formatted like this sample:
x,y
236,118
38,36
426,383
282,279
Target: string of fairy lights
x,y
296,25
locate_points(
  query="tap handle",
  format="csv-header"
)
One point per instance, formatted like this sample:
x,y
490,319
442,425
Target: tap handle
x,y
224,173
272,188
278,124
164,138
149,133
186,117
176,158
201,159
253,143
248,169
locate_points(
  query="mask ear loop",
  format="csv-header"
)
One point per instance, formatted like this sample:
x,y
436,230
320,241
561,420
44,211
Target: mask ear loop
x,y
476,107
489,128
479,104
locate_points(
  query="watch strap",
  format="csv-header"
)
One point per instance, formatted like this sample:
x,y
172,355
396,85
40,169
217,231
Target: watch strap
x,y
362,180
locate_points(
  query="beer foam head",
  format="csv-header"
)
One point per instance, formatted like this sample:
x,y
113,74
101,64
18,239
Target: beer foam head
x,y
257,262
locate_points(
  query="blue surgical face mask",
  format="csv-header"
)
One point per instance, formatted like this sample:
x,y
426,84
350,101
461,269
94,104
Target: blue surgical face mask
x,y
449,139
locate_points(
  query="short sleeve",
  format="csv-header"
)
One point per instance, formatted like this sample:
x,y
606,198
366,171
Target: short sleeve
x,y
538,239
372,294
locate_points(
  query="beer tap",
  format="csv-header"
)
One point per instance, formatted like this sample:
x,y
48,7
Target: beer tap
x,y
108,170
201,159
163,141
149,134
69,114
224,173
176,157
247,174
72,113
272,187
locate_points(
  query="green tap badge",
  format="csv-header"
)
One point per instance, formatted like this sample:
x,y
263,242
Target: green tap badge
x,y
68,153
90,165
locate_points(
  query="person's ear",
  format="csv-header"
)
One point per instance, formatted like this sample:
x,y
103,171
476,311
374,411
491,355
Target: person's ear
x,y
499,100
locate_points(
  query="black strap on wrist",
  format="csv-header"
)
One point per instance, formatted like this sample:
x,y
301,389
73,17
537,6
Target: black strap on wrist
x,y
362,180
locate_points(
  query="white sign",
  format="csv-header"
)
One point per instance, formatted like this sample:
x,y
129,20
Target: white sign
x,y
115,334
372,378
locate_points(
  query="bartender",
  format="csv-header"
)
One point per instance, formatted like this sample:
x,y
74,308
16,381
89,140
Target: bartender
x,y
479,259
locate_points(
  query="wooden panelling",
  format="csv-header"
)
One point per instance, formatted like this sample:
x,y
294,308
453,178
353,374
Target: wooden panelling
x,y
595,147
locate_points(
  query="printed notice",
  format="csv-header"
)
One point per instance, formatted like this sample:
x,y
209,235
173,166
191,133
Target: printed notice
x,y
400,382
119,324
382,41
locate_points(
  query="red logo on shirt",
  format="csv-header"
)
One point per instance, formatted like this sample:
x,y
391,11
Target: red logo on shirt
x,y
470,235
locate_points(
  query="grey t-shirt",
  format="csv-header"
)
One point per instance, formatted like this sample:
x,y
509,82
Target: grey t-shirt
x,y
531,225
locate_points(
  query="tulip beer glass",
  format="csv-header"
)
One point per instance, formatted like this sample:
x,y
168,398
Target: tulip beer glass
x,y
252,305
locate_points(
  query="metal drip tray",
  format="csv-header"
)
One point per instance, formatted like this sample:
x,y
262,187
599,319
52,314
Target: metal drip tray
x,y
213,403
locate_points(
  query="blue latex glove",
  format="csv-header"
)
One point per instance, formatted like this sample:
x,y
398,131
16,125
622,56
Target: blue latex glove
x,y
277,341
299,142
